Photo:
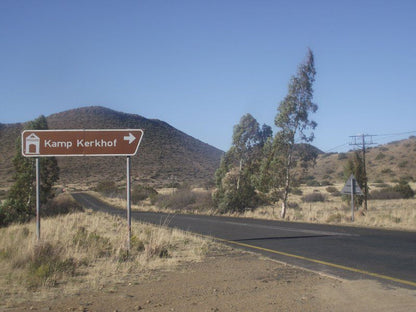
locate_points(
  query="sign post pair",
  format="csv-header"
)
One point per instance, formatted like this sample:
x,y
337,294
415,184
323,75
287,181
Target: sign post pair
x,y
86,142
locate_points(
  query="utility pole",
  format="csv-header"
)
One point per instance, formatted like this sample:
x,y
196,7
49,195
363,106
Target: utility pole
x,y
363,140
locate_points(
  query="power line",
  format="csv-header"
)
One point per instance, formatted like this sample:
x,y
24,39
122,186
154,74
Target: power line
x,y
395,134
298,140
336,147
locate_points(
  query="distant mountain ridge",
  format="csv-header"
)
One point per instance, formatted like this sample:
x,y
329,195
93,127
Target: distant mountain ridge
x,y
166,154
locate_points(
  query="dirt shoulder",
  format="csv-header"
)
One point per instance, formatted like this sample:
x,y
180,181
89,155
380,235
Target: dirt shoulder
x,y
232,280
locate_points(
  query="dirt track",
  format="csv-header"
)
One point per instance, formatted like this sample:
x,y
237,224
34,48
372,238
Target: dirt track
x,y
233,281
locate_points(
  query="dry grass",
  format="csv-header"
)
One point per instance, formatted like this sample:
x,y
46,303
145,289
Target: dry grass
x,y
169,200
393,214
86,250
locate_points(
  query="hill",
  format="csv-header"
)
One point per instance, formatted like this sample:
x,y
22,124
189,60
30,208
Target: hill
x,y
385,163
165,154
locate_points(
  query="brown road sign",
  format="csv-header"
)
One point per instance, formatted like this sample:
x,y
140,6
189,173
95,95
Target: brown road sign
x,y
97,142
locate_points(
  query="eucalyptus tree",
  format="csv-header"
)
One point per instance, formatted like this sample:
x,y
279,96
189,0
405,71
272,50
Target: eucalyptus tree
x,y
235,178
295,126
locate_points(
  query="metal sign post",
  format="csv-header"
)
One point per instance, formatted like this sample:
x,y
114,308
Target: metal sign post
x,y
352,200
37,200
128,204
351,187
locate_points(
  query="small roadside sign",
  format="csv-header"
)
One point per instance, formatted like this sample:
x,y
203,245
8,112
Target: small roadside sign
x,y
352,185
86,142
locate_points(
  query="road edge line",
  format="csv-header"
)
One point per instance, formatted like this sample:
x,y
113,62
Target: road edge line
x,y
334,265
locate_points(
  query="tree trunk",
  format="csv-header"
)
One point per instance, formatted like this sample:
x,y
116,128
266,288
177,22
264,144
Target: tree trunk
x,y
287,187
283,211
285,196
239,174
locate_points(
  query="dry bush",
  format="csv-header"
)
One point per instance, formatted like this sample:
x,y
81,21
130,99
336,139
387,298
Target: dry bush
x,y
108,188
385,193
314,197
401,190
185,199
61,204
141,192
332,189
178,200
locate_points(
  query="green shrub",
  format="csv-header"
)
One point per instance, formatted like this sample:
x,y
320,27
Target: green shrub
x,y
331,189
399,191
140,192
108,188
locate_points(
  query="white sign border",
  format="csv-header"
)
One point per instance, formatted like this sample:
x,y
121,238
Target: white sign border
x,y
81,155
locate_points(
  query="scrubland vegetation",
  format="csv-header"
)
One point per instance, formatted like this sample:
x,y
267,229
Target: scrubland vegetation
x,y
84,250
326,205
391,205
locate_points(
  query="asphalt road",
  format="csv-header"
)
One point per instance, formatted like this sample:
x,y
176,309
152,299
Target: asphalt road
x,y
347,252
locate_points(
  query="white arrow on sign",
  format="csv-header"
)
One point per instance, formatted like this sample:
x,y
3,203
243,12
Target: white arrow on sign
x,y
130,138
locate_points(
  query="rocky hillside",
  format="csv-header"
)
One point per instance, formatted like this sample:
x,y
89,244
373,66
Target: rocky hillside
x,y
165,155
385,163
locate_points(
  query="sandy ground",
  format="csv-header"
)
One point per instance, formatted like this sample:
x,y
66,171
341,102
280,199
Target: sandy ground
x,y
232,280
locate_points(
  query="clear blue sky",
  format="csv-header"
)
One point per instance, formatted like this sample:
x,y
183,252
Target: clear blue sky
x,y
201,65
